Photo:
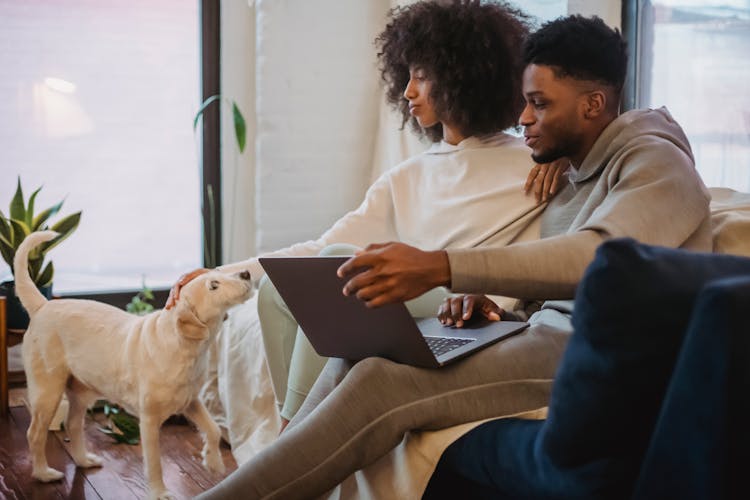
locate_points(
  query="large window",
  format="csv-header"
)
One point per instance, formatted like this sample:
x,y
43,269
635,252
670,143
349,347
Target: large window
x,y
97,101
694,58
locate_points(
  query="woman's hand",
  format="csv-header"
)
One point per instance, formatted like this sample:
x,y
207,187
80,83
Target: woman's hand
x,y
544,179
457,310
174,293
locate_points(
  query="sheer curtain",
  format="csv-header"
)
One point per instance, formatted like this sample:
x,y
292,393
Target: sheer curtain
x,y
695,59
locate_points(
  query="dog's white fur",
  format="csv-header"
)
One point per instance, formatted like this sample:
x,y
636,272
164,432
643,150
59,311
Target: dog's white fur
x,y
151,365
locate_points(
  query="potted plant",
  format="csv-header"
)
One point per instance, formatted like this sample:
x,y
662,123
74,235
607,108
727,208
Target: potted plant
x,y
20,222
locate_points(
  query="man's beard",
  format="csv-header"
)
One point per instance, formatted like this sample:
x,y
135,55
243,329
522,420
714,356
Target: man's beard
x,y
548,156
566,146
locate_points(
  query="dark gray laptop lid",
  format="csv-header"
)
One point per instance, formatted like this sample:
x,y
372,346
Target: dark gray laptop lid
x,y
341,326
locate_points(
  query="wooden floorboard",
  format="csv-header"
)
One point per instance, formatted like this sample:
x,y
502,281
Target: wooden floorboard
x,y
121,477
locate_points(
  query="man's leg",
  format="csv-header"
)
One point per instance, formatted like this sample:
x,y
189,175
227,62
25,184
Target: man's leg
x,y
377,401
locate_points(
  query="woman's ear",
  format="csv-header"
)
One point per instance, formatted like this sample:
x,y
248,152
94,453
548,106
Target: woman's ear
x,y
189,325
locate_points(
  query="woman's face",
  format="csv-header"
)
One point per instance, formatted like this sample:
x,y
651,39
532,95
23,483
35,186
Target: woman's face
x,y
417,92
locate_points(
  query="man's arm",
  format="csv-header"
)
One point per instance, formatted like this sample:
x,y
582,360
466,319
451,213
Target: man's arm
x,y
545,269
394,272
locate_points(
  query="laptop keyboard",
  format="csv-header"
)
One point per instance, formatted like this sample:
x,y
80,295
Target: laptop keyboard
x,y
441,345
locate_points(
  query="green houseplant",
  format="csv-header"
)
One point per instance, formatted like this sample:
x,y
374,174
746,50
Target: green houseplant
x,y
210,257
21,221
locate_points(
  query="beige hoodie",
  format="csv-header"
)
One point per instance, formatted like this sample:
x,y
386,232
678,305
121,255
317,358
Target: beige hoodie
x,y
638,180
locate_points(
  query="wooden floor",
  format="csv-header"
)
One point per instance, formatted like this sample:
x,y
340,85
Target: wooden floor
x,y
121,477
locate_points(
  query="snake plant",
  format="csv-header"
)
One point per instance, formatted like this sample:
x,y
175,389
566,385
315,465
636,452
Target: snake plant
x,y
22,221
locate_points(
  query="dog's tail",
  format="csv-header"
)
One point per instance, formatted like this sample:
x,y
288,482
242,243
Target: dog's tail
x,y
31,298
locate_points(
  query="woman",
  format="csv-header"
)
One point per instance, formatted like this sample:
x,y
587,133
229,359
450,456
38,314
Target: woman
x,y
465,191
453,70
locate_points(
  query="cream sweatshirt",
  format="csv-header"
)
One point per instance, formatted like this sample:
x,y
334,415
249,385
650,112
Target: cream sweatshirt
x,y
461,196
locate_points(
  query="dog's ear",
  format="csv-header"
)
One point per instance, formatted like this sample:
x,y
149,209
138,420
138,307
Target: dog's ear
x,y
189,325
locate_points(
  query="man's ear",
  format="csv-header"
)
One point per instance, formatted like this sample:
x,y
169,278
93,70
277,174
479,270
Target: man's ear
x,y
189,325
595,105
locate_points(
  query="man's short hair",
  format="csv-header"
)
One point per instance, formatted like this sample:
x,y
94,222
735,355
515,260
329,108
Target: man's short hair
x,y
584,48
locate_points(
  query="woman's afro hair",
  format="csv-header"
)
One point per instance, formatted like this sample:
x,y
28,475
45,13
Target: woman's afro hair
x,y
470,50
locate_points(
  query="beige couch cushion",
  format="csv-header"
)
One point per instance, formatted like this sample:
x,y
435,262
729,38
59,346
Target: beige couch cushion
x,y
730,221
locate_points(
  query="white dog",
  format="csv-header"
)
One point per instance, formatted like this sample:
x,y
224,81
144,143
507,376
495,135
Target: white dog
x,y
150,365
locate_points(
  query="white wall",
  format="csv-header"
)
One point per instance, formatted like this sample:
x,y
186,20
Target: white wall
x,y
609,10
238,170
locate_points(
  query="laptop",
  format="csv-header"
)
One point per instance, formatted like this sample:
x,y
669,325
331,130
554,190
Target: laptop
x,y
343,327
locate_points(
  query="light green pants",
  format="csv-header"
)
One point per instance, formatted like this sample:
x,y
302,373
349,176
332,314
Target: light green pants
x,y
292,361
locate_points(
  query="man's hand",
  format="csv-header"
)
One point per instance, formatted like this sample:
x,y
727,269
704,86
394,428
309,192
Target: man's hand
x,y
174,293
384,273
458,310
545,179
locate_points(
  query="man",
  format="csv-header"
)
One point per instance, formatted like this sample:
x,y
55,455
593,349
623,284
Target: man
x,y
631,175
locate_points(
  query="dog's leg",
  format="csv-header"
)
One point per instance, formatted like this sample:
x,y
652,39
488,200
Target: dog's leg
x,y
149,426
196,412
44,393
80,398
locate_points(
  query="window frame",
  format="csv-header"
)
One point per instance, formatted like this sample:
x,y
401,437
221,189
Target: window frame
x,y
631,10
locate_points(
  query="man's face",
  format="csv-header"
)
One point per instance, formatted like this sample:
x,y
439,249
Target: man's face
x,y
553,117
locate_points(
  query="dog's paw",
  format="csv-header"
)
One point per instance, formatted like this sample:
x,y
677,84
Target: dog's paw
x,y
47,474
212,461
90,460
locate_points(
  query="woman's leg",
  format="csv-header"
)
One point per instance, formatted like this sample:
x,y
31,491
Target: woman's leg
x,y
377,401
305,366
293,362
279,330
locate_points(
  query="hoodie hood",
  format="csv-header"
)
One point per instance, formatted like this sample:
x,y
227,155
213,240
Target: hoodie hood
x,y
627,127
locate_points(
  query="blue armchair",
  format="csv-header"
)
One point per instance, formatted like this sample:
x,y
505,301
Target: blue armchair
x,y
651,396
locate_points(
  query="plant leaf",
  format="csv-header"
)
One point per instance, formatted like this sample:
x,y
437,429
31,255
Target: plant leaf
x,y
6,234
119,438
65,227
7,250
45,278
5,242
20,232
17,206
203,107
44,215
127,423
8,253
35,265
30,209
240,127
5,227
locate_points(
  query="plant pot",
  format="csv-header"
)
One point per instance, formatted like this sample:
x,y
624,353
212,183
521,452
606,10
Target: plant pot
x,y
16,315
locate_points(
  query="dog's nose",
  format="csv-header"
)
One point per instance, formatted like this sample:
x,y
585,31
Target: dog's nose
x,y
245,275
